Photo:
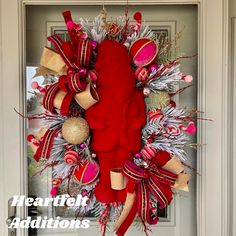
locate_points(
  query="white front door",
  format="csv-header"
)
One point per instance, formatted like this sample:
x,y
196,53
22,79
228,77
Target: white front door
x,y
180,219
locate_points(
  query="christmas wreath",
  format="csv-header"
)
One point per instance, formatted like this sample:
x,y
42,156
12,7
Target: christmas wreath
x,y
112,129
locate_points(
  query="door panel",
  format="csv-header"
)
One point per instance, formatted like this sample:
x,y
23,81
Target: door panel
x,y
41,21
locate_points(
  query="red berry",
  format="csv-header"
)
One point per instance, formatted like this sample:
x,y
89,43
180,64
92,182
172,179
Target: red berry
x,y
173,103
150,140
68,147
30,137
34,85
138,16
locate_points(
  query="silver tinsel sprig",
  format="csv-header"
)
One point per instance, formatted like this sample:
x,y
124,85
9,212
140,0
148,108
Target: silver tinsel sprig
x,y
165,78
120,21
171,116
93,205
62,169
96,208
96,32
53,120
86,26
115,212
174,146
175,115
143,32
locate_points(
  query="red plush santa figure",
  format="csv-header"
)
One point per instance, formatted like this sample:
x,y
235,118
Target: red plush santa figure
x,y
117,119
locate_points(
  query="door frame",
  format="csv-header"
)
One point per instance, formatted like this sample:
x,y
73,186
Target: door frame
x,y
214,184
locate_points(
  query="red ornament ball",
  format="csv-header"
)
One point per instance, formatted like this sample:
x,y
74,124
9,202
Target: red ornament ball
x,y
141,74
87,172
161,158
143,52
71,157
93,75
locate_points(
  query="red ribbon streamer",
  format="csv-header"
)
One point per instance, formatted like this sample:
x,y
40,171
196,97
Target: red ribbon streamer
x,y
67,17
45,147
49,97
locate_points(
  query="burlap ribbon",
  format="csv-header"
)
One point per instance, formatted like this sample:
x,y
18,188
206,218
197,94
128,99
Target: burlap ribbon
x,y
52,61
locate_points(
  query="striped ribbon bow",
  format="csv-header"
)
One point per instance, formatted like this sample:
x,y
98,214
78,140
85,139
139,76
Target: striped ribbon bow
x,y
156,181
73,81
76,54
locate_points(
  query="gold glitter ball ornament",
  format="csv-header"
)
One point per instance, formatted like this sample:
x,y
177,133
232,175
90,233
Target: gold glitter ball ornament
x,y
157,100
75,130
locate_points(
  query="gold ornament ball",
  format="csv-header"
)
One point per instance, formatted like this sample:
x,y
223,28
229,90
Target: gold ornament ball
x,y
75,130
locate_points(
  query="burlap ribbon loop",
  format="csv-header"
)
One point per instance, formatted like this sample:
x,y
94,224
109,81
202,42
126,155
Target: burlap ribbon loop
x,y
88,97
118,182
53,61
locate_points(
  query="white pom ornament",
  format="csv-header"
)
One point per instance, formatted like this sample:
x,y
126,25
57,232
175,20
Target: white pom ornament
x,y
145,165
146,91
94,155
75,130
188,78
127,44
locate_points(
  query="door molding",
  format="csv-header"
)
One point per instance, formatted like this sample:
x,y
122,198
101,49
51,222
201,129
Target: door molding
x,y
233,123
213,186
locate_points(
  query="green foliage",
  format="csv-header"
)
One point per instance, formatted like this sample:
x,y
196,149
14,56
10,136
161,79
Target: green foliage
x,y
32,103
168,50
157,100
